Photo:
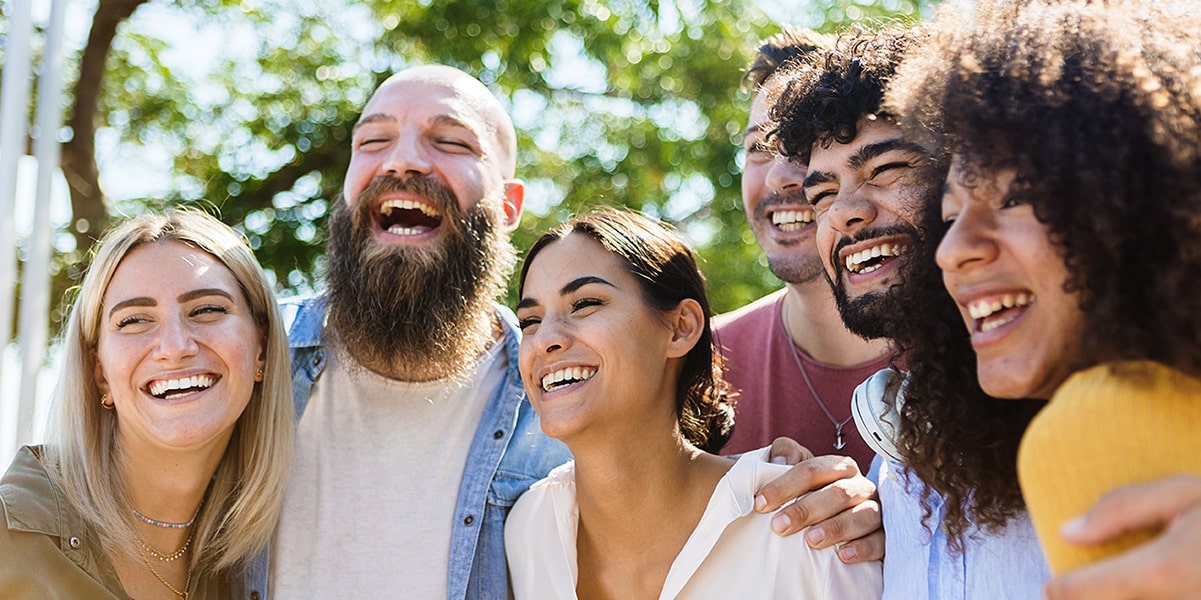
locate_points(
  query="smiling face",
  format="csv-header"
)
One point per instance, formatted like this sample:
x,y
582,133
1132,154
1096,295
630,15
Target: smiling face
x,y
178,348
867,195
776,209
594,354
440,124
1007,277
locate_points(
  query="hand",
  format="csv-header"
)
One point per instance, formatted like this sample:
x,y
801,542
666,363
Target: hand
x,y
835,502
1165,567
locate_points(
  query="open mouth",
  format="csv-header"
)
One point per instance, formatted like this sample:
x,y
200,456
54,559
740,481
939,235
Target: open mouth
x,y
868,260
791,220
995,312
166,389
408,217
565,377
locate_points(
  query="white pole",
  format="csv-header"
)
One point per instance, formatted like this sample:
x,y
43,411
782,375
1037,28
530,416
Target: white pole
x,y
35,289
14,124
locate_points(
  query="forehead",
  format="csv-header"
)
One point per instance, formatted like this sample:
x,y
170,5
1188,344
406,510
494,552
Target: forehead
x,y
427,99
165,267
758,110
570,257
836,155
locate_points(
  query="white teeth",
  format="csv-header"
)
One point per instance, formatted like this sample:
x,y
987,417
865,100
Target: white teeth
x,y
854,261
399,230
982,309
564,377
791,220
390,205
162,386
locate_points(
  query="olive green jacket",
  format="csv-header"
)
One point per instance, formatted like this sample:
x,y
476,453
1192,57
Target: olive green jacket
x,y
47,550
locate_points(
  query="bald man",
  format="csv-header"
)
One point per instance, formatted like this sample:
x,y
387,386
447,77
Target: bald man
x,y
414,436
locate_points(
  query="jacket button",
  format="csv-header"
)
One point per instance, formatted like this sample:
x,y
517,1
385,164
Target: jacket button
x,y
500,433
254,596
468,520
75,543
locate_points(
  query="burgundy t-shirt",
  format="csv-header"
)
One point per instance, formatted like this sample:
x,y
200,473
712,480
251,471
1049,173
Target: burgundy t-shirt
x,y
773,399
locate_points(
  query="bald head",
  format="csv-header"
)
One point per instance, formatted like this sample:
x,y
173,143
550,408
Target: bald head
x,y
472,97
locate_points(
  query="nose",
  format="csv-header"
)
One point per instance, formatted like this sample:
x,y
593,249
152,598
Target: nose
x,y
175,341
967,242
785,175
407,157
850,212
551,336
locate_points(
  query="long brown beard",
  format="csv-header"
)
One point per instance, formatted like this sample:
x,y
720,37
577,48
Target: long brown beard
x,y
416,313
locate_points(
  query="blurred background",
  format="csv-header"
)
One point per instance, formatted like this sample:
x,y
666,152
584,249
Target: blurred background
x,y
245,108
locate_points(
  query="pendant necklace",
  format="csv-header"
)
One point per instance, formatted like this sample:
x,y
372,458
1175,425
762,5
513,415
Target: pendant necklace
x,y
839,441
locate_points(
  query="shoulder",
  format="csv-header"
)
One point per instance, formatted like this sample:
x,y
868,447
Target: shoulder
x,y
754,313
1125,378
31,500
540,506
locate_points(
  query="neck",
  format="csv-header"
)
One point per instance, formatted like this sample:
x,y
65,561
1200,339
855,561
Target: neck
x,y
168,487
644,505
811,318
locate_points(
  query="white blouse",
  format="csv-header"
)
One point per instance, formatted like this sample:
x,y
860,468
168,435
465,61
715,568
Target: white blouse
x,y
732,553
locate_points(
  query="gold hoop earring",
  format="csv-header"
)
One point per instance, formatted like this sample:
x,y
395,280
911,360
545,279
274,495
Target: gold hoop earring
x,y
105,402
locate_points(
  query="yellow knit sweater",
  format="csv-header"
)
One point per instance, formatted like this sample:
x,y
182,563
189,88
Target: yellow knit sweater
x,y
1106,427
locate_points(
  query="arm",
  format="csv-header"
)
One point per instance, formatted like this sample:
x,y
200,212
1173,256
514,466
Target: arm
x,y
833,500
1165,567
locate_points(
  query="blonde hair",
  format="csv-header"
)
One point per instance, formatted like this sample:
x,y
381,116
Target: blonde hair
x,y
83,456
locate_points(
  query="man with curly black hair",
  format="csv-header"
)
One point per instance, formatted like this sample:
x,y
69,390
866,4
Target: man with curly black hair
x,y
954,529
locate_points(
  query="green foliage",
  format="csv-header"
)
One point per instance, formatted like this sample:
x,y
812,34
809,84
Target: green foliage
x,y
621,102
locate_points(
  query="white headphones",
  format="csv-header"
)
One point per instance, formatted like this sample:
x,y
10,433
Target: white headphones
x,y
875,406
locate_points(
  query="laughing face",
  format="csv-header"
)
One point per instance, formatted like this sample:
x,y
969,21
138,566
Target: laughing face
x,y
595,356
867,196
776,209
178,348
1007,277
419,249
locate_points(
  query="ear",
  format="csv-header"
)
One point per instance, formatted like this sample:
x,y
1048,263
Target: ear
x,y
514,201
687,322
98,374
260,363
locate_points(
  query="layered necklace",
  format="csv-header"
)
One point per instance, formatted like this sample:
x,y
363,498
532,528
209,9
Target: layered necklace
x,y
146,551
839,441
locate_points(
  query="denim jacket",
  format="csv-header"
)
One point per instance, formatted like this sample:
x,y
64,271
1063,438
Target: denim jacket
x,y
508,453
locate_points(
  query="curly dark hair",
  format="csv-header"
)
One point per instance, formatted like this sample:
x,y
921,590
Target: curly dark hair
x,y
1096,106
821,97
959,441
775,51
667,273
1096,109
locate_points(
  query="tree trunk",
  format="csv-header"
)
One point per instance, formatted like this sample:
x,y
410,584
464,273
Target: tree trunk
x,y
88,207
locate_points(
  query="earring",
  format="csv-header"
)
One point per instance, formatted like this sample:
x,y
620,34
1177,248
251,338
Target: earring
x,y
258,375
105,402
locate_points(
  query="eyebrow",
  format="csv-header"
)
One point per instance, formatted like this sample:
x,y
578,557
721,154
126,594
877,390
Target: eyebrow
x,y
751,129
373,118
184,297
862,156
571,286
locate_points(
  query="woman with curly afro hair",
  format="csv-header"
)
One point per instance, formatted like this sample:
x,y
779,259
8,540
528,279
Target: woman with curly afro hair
x,y
1072,245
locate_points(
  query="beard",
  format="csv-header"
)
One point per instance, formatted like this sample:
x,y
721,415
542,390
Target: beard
x,y
790,269
878,314
416,313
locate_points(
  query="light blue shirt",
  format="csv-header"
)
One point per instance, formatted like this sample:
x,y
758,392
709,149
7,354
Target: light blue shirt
x,y
508,453
919,565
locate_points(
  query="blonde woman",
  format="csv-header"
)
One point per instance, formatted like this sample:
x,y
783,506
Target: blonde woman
x,y
171,427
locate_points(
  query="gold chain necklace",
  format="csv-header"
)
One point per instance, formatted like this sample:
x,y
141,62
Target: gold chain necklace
x,y
186,584
163,556
839,442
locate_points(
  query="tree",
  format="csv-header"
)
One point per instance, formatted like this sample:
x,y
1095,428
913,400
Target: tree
x,y
621,102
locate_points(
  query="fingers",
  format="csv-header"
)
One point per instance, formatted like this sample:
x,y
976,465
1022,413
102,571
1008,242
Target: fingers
x,y
867,548
1134,508
804,477
787,451
1128,576
859,530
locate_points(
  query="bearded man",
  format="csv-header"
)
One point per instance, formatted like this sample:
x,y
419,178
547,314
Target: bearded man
x,y
415,437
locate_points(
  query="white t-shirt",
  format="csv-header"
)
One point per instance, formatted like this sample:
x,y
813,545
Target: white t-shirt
x,y
375,478
732,553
